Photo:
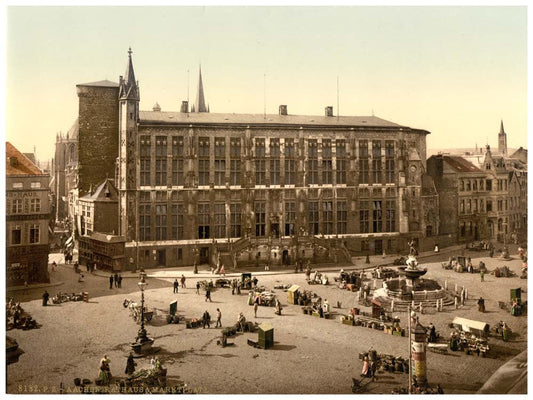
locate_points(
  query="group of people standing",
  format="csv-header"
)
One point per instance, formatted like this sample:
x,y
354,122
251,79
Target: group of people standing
x,y
177,284
115,279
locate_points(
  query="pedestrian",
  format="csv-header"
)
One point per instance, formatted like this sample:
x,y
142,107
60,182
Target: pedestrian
x,y
239,285
481,305
482,276
491,251
111,281
46,296
233,287
176,285
255,281
198,287
76,267
219,316
222,270
130,365
241,321
105,373
366,367
206,318
119,281
88,266
54,266
116,279
183,281
208,294
256,306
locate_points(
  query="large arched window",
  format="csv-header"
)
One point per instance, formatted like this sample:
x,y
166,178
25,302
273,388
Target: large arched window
x,y
72,152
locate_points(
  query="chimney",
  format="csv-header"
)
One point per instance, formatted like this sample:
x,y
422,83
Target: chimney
x,y
184,106
329,111
283,109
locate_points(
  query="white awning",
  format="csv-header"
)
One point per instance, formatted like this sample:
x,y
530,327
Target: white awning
x,y
468,324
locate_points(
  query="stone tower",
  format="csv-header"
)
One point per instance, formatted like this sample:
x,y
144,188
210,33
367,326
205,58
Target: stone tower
x,y
502,141
128,99
97,133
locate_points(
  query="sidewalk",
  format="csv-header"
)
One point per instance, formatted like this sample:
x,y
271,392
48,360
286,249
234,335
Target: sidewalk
x,y
31,287
205,272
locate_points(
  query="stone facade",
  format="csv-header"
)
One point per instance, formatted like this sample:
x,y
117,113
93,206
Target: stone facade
x,y
485,202
195,187
27,220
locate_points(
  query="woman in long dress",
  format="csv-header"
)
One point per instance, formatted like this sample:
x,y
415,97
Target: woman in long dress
x,y
105,374
366,367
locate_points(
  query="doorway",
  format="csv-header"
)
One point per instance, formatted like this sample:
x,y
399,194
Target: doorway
x,y
378,247
204,255
162,257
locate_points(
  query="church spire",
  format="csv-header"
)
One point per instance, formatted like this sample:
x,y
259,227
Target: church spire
x,y
502,131
130,74
200,99
502,140
129,87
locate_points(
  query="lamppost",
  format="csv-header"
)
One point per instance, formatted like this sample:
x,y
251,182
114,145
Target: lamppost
x,y
142,341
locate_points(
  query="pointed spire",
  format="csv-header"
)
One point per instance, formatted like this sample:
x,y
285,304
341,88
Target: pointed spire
x,y
200,99
502,131
128,85
130,74
502,140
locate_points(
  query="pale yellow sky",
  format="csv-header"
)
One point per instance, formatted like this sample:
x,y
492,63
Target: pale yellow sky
x,y
455,71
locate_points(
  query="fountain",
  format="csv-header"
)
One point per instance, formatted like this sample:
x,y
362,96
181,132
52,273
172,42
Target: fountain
x,y
411,288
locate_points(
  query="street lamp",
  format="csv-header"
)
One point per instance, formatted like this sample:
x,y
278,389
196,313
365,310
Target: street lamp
x,y
142,341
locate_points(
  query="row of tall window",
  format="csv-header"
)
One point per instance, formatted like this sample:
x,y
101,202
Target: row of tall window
x,y
323,218
370,168
34,234
16,206
475,185
469,206
383,219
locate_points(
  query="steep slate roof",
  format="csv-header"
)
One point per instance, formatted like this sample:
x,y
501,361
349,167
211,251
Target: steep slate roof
x,y
22,166
104,83
460,164
31,157
100,192
154,117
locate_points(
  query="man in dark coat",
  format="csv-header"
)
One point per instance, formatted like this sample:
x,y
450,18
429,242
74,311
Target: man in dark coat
x,y
46,296
481,305
176,286
116,280
206,318
119,280
111,281
130,365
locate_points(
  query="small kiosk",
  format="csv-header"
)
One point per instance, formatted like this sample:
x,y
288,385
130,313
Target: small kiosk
x,y
266,335
292,294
